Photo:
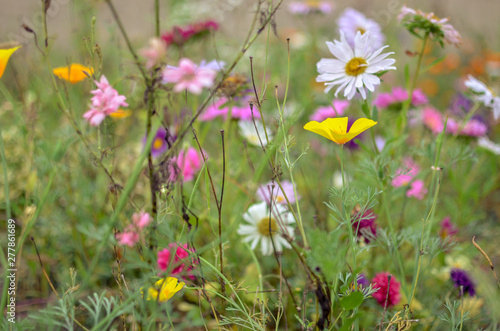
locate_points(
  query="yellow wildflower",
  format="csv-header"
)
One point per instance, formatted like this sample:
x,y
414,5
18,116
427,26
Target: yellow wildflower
x,y
73,73
165,288
335,129
4,58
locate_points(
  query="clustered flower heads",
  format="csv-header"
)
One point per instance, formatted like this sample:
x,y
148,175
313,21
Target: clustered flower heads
x,y
437,28
388,293
180,35
354,68
352,21
105,101
267,224
434,120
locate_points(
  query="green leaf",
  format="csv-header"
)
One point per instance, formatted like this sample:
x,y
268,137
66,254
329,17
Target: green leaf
x,y
352,301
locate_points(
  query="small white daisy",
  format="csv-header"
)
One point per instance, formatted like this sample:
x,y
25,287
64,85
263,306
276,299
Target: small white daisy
x,y
483,94
353,70
485,143
351,21
247,130
261,220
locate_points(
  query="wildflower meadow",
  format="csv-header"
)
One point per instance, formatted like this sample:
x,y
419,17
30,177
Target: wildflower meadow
x,y
250,165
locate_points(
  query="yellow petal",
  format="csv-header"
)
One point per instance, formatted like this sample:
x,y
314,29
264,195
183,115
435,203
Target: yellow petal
x,y
337,125
169,286
121,113
73,73
318,128
4,58
361,125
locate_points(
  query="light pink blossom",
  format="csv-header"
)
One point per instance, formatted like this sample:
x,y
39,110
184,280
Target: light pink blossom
x,y
221,108
264,192
417,190
105,101
399,95
433,119
404,177
128,238
189,76
156,51
132,233
188,163
141,220
337,109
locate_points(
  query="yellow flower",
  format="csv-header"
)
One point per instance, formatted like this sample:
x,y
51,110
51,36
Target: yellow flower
x,y
73,73
166,288
335,129
121,113
4,58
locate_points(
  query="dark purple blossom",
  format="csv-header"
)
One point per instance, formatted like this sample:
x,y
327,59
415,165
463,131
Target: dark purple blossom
x,y
460,278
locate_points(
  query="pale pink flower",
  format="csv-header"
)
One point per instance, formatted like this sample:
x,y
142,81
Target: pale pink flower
x,y
307,7
405,176
451,36
417,190
128,238
188,163
264,192
141,220
156,51
338,109
433,119
105,101
178,263
188,76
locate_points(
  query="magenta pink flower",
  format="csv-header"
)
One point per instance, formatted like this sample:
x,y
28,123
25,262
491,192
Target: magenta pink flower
x,y
417,190
189,76
337,109
448,229
404,179
105,101
180,35
175,258
188,163
398,96
221,108
141,219
388,293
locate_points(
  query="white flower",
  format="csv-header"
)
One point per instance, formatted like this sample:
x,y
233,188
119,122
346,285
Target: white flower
x,y
483,94
485,143
351,21
261,220
247,130
353,70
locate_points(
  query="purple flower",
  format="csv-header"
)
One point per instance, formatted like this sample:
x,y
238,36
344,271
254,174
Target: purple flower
x,y
264,192
160,144
362,281
460,104
365,223
306,7
461,278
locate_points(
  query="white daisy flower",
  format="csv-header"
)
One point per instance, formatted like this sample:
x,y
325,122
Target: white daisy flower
x,y
247,130
353,70
483,94
487,144
351,21
264,224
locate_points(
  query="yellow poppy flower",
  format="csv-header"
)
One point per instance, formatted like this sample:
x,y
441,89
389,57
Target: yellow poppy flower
x,y
4,58
121,113
73,73
166,288
335,129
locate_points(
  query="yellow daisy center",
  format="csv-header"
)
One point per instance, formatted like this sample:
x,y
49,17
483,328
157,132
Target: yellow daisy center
x,y
158,143
263,226
360,29
355,66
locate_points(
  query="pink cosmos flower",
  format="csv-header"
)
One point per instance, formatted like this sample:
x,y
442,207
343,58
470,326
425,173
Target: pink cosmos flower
x,y
381,281
417,190
189,76
105,101
179,263
188,163
241,110
404,179
337,109
154,53
264,192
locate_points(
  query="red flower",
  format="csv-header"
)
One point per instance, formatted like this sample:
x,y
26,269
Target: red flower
x,y
381,282
179,35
